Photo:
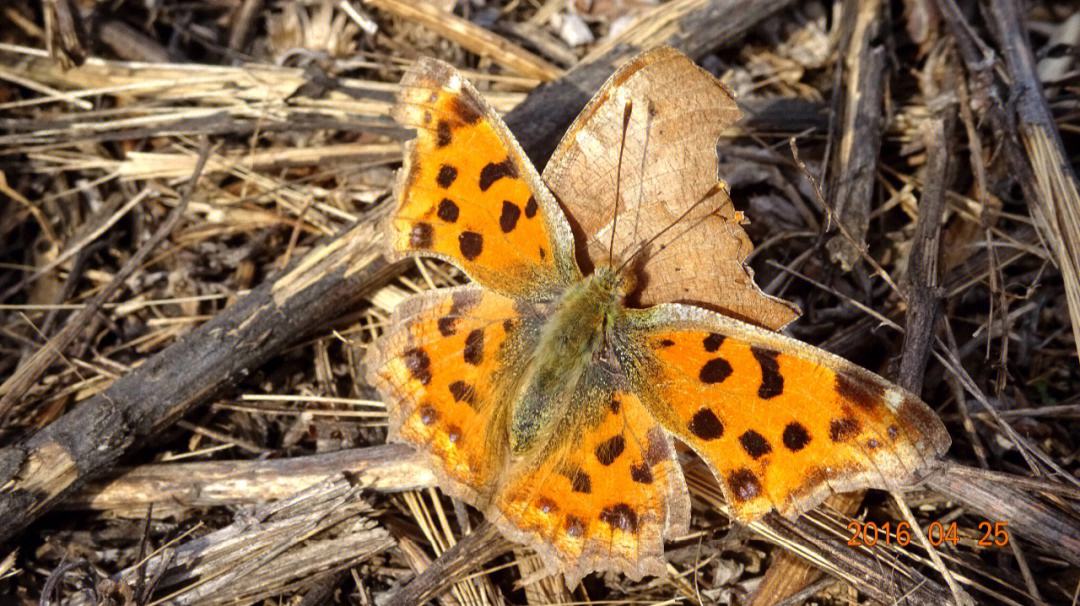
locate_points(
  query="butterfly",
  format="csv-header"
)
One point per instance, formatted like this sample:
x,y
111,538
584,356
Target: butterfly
x,y
542,397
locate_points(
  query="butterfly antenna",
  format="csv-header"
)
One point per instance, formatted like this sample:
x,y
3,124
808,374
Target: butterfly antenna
x,y
715,189
627,109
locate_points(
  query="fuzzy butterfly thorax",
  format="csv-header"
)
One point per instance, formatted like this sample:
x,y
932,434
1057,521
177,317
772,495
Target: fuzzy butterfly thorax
x,y
540,397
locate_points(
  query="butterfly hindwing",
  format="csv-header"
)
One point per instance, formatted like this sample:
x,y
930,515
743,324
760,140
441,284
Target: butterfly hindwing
x,y
604,497
467,192
439,364
781,424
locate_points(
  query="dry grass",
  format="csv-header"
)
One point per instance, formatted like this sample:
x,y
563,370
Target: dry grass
x,y
278,489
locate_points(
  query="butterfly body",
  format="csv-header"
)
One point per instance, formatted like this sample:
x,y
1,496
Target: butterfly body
x,y
573,339
545,400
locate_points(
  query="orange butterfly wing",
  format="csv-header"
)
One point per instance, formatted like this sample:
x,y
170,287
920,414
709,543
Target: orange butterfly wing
x,y
438,366
468,194
781,424
603,498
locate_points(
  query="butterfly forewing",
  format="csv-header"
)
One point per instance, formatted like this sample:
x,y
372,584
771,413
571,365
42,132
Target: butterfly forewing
x,y
468,194
781,424
668,163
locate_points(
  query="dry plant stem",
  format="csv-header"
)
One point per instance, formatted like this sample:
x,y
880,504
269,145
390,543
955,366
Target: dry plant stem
x,y
64,34
693,27
28,373
1040,161
37,473
258,89
166,487
924,290
129,43
472,551
1056,199
278,547
243,20
89,439
854,159
924,293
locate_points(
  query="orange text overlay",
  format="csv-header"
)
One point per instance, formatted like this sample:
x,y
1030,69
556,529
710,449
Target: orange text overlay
x,y
870,534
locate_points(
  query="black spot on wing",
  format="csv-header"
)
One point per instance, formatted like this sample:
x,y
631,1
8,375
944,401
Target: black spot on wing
x,y
446,177
461,302
471,244
418,363
493,171
447,326
713,341
796,437
428,414
530,207
463,392
509,217
755,444
772,382
842,430
574,526
620,516
443,136
714,371
641,473
744,484
421,235
579,481
610,449
866,395
453,433
474,347
448,211
465,110
706,425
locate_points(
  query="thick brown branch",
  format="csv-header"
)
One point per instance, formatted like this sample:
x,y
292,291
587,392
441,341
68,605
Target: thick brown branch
x,y
924,278
853,167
